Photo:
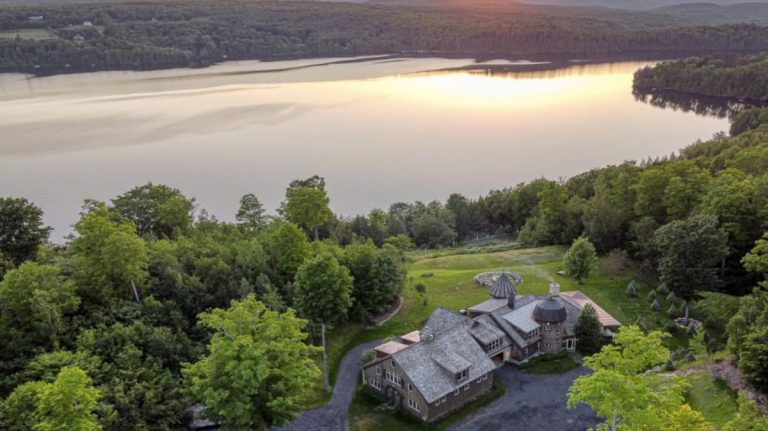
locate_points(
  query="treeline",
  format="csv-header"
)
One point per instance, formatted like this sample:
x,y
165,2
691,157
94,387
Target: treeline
x,y
191,33
149,309
735,77
618,207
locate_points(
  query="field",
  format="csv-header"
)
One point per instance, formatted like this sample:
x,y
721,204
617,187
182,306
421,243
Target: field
x,y
28,33
448,281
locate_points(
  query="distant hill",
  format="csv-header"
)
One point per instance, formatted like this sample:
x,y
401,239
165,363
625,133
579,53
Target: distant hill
x,y
634,4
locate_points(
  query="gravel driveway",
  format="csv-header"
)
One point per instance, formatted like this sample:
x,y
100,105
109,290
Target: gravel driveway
x,y
334,415
531,403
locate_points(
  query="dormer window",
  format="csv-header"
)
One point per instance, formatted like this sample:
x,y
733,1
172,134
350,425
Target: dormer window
x,y
495,344
462,375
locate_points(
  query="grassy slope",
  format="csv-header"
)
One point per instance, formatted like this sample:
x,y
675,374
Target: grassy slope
x,y
712,397
28,33
451,286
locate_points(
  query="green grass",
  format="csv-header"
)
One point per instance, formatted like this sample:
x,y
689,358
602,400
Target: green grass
x,y
557,363
712,397
363,417
451,286
28,33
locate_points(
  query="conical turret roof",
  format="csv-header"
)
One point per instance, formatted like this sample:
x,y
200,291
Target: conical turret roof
x,y
502,287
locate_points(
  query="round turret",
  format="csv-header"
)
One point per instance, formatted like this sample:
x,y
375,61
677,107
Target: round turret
x,y
551,310
502,287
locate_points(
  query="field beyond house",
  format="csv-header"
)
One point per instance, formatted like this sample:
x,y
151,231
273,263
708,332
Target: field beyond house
x,y
449,283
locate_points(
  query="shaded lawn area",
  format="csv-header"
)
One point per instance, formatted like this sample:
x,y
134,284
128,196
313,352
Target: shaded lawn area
x,y
363,417
712,397
558,363
449,284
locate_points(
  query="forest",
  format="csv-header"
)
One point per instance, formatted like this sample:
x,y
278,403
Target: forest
x,y
734,77
60,38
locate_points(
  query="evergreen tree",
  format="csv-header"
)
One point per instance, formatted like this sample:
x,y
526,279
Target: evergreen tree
x,y
588,331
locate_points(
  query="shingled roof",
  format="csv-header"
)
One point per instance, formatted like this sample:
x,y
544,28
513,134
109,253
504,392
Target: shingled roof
x,y
442,319
502,287
432,365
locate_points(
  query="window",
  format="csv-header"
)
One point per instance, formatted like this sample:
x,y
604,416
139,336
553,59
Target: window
x,y
394,378
479,379
547,327
495,344
410,388
376,383
457,392
442,400
462,375
393,363
546,344
413,404
378,370
485,376
466,387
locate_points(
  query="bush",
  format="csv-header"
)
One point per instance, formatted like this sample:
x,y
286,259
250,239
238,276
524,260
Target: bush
x,y
671,297
652,295
663,289
427,274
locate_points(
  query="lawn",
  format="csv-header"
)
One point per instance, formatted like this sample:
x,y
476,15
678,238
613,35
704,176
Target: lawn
x,y
712,397
28,33
448,281
557,363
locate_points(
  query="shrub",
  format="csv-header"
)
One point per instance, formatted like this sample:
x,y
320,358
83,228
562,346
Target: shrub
x,y
655,305
652,295
663,289
632,289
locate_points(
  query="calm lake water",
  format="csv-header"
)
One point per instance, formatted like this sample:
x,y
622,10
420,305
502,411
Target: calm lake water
x,y
379,130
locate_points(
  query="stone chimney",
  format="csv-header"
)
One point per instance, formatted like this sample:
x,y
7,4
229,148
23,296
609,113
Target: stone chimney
x,y
554,290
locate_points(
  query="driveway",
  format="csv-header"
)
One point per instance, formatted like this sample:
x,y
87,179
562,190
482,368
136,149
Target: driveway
x,y
334,415
531,403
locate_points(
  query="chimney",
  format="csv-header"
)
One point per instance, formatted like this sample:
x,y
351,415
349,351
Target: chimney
x,y
554,290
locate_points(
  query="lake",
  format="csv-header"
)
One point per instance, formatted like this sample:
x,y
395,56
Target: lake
x,y
379,130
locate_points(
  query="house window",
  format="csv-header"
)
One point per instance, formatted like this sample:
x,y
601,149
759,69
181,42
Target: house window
x,y
462,375
442,400
485,376
410,387
547,327
393,363
546,344
466,387
394,378
457,392
495,344
376,383
378,370
413,404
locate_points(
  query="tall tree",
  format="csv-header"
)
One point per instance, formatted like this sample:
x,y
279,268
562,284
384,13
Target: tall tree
x,y
21,229
323,290
690,251
157,211
580,259
287,248
306,203
109,257
378,278
588,331
68,403
620,390
258,368
251,212
34,300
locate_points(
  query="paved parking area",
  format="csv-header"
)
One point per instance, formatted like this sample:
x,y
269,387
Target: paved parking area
x,y
532,403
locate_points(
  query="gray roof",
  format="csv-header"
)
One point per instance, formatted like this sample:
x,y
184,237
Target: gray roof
x,y
502,287
514,336
442,319
551,310
432,365
489,305
485,330
522,317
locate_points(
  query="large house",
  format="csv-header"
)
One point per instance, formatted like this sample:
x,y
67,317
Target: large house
x,y
450,362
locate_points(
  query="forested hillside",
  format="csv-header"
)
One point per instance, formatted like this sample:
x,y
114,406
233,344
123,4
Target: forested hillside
x,y
736,77
64,38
